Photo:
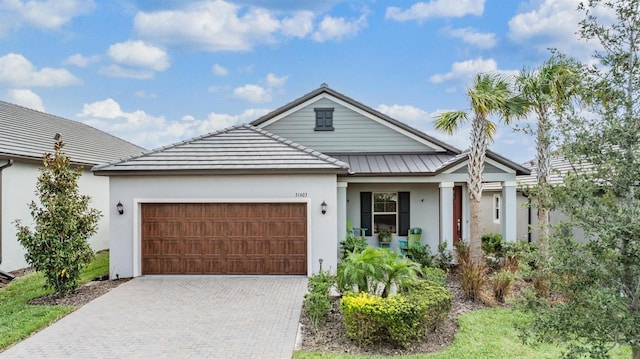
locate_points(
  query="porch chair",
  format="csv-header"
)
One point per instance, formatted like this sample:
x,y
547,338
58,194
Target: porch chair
x,y
413,239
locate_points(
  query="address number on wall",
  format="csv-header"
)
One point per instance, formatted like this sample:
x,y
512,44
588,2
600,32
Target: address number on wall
x,y
301,194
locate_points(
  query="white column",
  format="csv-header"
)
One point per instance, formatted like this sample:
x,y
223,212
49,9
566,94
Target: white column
x,y
446,213
341,211
509,211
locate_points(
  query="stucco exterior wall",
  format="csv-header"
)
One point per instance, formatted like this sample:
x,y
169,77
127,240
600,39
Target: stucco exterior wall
x,y
424,208
18,190
134,190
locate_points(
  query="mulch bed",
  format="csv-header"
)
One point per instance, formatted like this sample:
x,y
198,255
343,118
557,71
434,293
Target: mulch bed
x,y
332,336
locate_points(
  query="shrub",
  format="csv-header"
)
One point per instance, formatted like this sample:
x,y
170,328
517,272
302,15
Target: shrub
x,y
376,271
435,276
352,244
400,319
501,283
492,244
422,255
444,257
473,277
58,245
317,305
317,302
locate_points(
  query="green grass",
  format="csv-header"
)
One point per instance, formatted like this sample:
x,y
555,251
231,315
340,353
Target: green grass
x,y
487,333
19,320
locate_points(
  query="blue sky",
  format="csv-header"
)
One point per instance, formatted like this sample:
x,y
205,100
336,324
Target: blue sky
x,y
155,72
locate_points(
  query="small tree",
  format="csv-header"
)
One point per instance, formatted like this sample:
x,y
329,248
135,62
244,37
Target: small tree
x,y
58,245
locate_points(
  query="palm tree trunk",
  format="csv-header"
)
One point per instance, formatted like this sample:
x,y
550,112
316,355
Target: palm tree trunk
x,y
477,155
543,144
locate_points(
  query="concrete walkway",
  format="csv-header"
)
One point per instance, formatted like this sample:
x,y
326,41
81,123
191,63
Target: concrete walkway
x,y
178,317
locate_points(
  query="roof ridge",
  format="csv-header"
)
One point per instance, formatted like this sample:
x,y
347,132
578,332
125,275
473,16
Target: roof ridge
x,y
299,147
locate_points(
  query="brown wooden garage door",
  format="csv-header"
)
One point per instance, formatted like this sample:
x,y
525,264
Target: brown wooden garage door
x,y
224,238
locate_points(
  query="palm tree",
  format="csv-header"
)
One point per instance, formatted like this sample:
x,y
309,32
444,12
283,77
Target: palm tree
x,y
489,95
544,90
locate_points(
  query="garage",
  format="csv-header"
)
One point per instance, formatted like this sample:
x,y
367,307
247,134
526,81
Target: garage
x,y
224,238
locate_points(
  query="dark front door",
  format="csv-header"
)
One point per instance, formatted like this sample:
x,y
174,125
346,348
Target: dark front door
x,y
457,214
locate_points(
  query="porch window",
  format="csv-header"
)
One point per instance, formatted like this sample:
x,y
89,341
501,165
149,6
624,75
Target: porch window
x,y
497,206
385,211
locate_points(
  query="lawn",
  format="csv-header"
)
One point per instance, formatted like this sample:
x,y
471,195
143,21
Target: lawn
x,y
19,320
486,333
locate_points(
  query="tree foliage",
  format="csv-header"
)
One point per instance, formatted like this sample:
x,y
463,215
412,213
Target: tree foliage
x,y
489,95
600,279
57,245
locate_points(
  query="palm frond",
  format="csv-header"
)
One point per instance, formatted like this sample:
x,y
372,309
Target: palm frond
x,y
449,122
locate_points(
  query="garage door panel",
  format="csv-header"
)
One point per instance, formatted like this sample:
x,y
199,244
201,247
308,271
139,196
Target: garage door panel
x,y
224,238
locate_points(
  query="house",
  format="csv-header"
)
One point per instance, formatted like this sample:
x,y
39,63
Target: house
x,y
25,136
274,196
526,215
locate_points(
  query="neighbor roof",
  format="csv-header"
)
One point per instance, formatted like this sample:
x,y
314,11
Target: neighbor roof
x,y
559,167
28,134
324,89
239,149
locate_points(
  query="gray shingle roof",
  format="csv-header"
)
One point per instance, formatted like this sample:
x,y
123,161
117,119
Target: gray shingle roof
x,y
559,167
239,149
27,133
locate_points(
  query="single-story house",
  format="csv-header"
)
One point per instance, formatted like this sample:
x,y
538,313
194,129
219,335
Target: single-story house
x,y
274,196
526,215
25,136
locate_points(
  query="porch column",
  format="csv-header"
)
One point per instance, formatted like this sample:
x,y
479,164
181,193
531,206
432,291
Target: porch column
x,y
509,211
341,210
446,213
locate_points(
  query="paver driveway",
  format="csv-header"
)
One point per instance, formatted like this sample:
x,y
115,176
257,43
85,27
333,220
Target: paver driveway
x,y
178,317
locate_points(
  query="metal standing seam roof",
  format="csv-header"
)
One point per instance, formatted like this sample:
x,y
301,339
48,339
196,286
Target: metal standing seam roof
x,y
239,149
395,164
27,133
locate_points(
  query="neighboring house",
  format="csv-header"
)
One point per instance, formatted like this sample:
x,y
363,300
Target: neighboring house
x,y
527,217
274,196
25,135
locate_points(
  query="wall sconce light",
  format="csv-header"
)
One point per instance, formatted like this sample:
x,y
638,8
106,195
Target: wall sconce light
x,y
120,207
323,206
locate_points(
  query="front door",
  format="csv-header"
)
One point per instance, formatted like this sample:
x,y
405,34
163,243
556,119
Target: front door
x,y
457,214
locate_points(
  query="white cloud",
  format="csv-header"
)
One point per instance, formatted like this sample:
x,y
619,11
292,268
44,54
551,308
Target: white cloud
x,y
144,94
299,25
252,93
16,70
336,28
552,24
436,8
154,131
80,60
26,98
210,25
48,14
275,81
119,71
219,70
139,54
405,113
466,70
469,35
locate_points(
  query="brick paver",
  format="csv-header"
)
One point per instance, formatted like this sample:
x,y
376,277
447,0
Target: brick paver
x,y
178,317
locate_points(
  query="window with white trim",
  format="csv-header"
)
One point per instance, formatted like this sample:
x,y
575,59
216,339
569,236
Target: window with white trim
x,y
497,208
385,211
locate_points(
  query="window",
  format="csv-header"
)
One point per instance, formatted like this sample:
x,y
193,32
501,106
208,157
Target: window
x,y
324,119
385,211
497,205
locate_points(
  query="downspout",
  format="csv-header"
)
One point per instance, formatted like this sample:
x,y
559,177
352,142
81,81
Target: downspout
x,y
524,194
3,275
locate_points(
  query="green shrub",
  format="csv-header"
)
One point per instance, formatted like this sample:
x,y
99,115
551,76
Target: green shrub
x,y
435,276
352,244
444,258
376,271
501,283
317,305
321,282
421,254
492,244
400,319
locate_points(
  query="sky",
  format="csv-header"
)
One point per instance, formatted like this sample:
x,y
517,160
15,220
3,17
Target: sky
x,y
157,72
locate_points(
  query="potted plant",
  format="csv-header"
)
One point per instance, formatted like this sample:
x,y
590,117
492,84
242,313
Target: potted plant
x,y
384,236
